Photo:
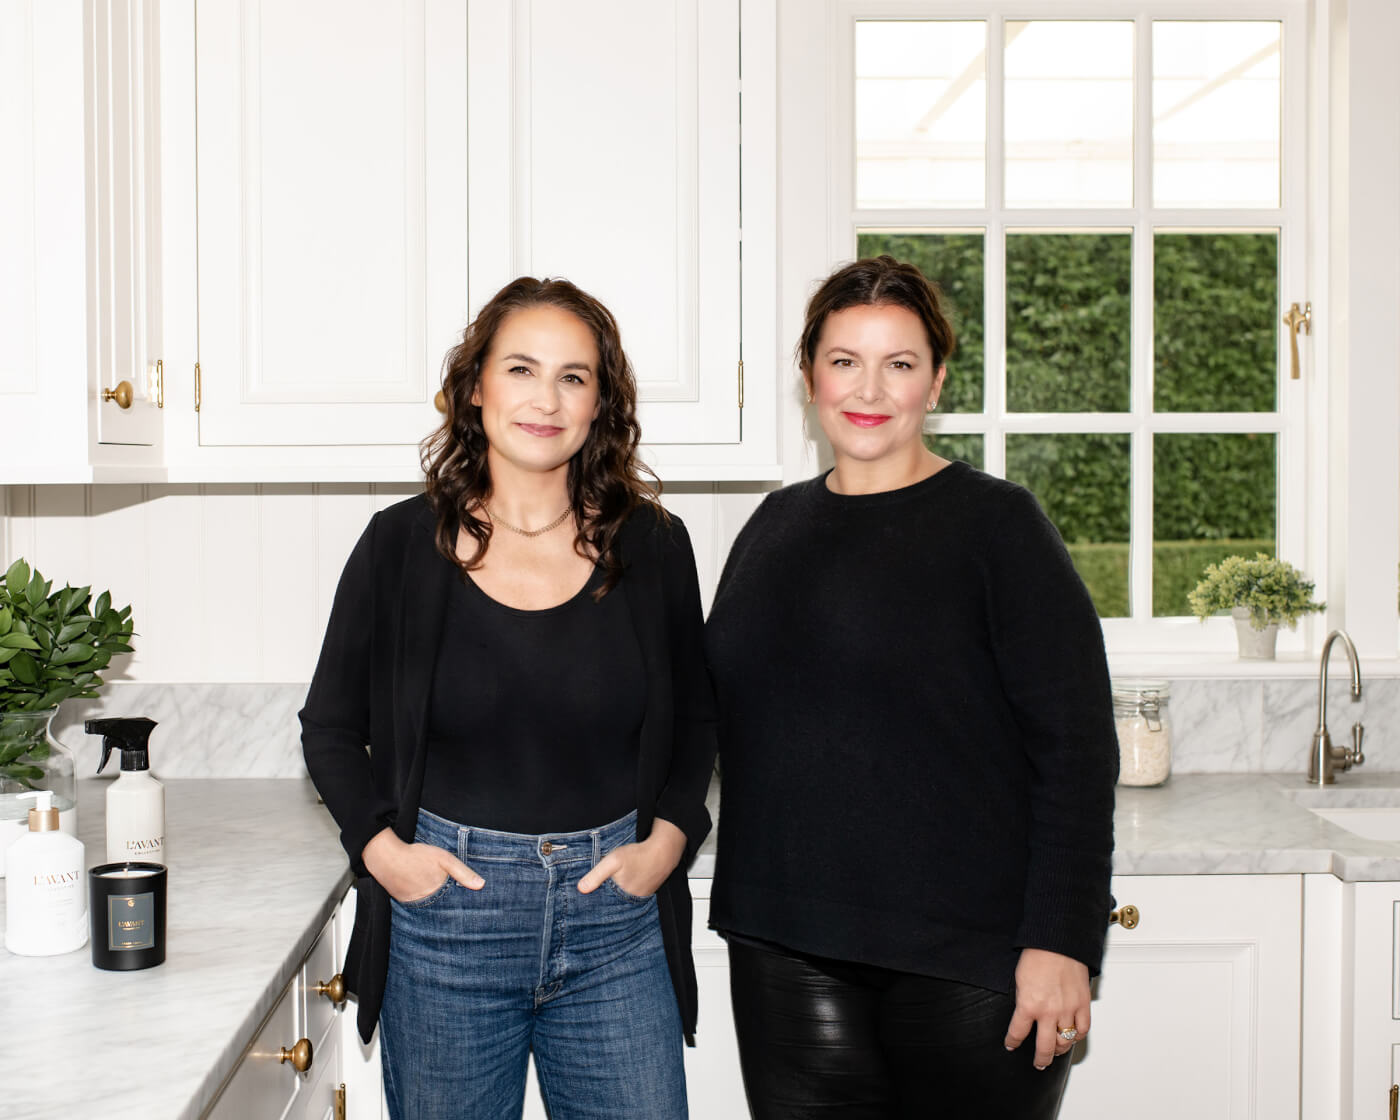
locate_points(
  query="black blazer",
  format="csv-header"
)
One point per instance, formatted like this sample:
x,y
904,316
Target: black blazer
x,y
371,690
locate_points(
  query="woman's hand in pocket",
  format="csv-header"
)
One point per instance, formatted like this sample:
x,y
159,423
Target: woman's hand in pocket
x,y
642,867
413,871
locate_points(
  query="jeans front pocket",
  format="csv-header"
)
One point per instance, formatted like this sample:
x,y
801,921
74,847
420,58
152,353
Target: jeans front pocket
x,y
627,896
428,899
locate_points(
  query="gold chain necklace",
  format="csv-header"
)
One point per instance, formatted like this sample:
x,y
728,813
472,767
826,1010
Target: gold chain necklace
x,y
528,532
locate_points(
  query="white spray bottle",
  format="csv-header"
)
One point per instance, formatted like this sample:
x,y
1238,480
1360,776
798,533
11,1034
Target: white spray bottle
x,y
135,801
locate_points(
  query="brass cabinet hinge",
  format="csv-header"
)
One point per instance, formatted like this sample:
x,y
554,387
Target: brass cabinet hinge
x,y
160,383
198,388
340,1102
741,382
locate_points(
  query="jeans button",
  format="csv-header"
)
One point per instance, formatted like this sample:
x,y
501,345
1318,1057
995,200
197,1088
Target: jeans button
x,y
546,847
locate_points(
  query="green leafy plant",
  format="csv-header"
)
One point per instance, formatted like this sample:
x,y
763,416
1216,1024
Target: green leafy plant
x,y
54,644
53,647
1274,591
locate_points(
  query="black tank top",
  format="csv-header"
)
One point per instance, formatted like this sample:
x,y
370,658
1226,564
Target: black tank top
x,y
535,716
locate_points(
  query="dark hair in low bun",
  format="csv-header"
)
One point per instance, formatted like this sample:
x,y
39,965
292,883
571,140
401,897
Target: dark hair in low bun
x,y
871,282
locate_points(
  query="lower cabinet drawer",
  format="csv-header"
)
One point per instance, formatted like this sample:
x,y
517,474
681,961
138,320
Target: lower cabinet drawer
x,y
263,1086
320,968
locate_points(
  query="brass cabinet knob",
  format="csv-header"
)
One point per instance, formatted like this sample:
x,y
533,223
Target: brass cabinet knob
x,y
333,989
299,1055
440,401
1128,917
121,394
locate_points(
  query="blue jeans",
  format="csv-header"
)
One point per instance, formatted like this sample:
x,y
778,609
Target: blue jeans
x,y
479,979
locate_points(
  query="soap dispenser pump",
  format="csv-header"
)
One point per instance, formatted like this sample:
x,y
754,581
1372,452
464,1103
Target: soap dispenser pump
x,y
45,898
135,801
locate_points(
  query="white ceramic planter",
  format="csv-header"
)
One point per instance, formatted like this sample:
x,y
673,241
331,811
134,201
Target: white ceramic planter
x,y
1255,645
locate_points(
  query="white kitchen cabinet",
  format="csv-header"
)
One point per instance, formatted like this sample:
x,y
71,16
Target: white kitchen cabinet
x,y
342,1081
266,1083
1375,992
367,178
332,200
1198,1010
605,148
292,210
75,312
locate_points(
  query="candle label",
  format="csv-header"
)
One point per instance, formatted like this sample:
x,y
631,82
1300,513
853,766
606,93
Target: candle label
x,y
131,921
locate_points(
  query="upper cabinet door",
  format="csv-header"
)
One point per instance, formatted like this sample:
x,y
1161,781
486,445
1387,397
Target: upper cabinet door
x,y
123,227
42,280
604,144
332,217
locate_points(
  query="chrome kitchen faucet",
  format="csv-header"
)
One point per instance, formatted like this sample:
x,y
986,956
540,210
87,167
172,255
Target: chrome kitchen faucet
x,y
1324,760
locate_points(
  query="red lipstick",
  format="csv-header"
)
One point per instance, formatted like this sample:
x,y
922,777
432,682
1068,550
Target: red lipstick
x,y
865,419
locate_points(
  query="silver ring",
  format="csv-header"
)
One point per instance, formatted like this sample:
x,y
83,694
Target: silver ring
x,y
1069,1034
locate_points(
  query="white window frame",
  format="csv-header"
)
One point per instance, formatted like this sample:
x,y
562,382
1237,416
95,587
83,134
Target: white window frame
x,y
1293,422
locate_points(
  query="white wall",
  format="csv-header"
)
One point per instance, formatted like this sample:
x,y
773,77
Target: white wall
x,y
234,583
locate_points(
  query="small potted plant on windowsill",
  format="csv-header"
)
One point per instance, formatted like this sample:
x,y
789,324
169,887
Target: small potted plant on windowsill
x,y
1260,594
54,646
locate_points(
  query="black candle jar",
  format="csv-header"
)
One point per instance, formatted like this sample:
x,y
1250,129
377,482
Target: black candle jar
x,y
126,902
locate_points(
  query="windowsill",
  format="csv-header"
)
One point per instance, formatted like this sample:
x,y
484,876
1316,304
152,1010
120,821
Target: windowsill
x,y
1226,666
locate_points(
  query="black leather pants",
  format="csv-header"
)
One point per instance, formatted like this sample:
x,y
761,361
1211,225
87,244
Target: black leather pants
x,y
825,1039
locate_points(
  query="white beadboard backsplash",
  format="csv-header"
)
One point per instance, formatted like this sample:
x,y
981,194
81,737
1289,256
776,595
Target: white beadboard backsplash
x,y
233,584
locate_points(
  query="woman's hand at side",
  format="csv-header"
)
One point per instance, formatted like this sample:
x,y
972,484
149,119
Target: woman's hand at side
x,y
413,871
642,867
1052,991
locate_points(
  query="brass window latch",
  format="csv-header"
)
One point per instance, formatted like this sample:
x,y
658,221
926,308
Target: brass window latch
x,y
1295,319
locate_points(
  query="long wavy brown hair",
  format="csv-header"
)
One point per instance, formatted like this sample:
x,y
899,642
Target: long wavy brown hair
x,y
606,480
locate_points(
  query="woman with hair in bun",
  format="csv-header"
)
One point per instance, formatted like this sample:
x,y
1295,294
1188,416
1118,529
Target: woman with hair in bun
x,y
918,755
512,724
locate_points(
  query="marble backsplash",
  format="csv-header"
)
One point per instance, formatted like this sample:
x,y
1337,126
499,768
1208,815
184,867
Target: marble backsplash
x,y
1218,726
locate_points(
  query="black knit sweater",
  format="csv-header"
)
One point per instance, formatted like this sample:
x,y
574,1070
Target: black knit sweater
x,y
917,742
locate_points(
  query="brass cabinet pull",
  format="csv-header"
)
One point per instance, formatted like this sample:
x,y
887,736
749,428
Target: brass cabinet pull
x,y
340,1102
121,394
160,383
440,402
299,1055
1395,1102
1293,320
1128,917
333,989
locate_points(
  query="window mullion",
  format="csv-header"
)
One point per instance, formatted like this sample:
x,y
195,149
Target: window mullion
x,y
994,291
1140,533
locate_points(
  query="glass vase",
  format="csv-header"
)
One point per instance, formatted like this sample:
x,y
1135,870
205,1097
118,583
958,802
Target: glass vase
x,y
32,759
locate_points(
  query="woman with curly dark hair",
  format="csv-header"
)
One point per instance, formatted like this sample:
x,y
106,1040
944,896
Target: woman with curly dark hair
x,y
520,650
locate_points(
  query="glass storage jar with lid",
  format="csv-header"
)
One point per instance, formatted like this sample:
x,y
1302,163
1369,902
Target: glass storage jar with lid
x,y
1144,732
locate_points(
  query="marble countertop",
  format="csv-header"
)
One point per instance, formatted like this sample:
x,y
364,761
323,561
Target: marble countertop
x,y
1253,824
255,870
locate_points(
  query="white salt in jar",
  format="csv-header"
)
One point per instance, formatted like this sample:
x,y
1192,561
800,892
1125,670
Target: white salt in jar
x,y
1144,732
